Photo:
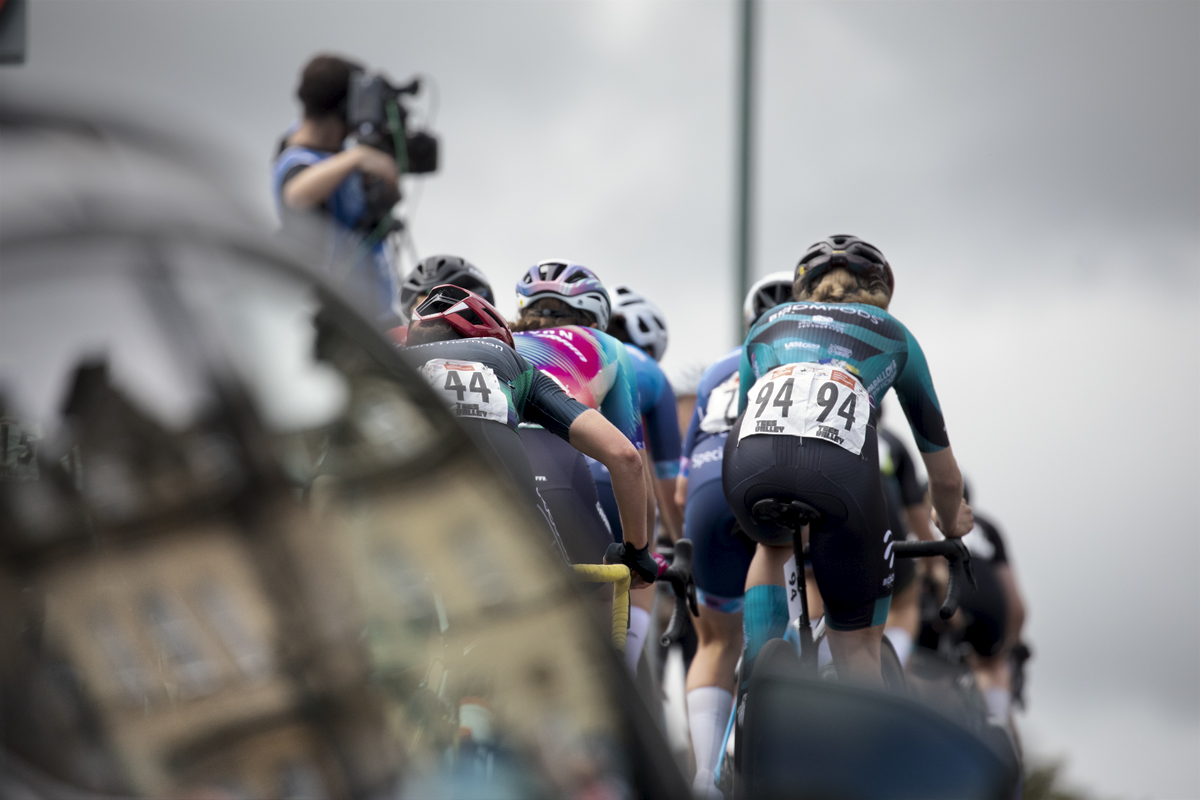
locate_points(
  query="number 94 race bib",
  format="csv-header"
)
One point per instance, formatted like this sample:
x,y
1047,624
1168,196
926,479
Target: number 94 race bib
x,y
819,401
469,388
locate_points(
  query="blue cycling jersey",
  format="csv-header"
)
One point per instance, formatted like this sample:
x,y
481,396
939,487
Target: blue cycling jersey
x,y
656,399
345,206
704,426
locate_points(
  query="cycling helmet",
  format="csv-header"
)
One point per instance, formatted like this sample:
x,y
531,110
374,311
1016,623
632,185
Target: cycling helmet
x,y
574,284
854,254
640,320
439,271
767,292
465,312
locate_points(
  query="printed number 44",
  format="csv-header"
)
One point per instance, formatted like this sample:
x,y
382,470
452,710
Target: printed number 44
x,y
454,383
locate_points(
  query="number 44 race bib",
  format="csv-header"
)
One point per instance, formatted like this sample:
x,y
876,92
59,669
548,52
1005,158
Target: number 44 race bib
x,y
819,401
470,389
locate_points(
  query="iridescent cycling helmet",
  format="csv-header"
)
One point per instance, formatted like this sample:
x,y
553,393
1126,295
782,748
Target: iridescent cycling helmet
x,y
635,319
465,312
861,258
767,292
439,271
574,284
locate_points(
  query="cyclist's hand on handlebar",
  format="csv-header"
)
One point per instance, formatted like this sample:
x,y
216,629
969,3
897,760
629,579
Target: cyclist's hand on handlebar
x,y
376,162
962,524
644,566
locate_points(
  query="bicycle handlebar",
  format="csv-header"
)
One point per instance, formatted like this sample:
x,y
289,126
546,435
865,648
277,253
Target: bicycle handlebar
x,y
956,553
679,575
618,576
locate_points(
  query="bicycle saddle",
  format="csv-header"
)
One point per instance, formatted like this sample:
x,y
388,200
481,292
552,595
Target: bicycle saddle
x,y
788,514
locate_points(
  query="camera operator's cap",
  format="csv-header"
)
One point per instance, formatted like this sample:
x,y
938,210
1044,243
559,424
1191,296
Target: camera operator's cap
x,y
574,284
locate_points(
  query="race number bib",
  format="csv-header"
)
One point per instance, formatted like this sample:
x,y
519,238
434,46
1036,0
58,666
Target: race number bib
x,y
819,401
722,408
469,388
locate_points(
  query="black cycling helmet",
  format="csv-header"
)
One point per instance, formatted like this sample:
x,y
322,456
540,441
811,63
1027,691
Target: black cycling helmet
x,y
439,271
861,258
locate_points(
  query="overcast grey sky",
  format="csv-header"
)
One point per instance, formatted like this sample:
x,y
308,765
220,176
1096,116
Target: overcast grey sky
x,y
1032,170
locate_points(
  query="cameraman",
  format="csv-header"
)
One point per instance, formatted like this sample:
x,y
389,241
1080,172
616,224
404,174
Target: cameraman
x,y
314,172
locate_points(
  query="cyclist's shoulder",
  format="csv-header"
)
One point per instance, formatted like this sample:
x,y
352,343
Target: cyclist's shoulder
x,y
720,371
489,352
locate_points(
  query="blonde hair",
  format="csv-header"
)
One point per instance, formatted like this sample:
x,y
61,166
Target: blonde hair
x,y
532,320
840,285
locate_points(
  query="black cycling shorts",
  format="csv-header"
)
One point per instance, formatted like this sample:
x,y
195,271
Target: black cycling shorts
x,y
504,449
848,549
564,483
722,553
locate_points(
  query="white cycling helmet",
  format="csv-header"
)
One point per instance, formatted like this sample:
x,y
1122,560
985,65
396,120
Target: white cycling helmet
x,y
638,321
767,292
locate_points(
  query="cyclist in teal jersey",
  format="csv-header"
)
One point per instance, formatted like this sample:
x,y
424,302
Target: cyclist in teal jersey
x,y
564,311
812,373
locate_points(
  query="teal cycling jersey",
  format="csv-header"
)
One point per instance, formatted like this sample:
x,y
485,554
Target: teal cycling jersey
x,y
593,368
864,340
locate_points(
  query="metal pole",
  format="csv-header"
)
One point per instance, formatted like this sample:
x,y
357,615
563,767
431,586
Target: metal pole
x,y
747,11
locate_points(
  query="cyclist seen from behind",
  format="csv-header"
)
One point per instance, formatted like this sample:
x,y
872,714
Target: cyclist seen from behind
x,y
463,346
811,375
564,312
722,553
642,327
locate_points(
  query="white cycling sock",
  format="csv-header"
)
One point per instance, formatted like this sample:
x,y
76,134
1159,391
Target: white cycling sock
x,y
708,715
998,700
635,637
902,643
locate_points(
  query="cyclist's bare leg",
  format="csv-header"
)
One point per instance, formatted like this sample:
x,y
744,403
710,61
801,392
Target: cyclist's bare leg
x,y
765,613
766,568
856,655
710,684
720,645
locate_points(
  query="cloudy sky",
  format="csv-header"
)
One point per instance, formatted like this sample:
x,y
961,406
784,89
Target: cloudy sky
x,y
1032,170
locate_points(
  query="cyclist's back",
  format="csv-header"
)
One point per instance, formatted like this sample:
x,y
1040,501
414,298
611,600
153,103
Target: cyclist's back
x,y
810,377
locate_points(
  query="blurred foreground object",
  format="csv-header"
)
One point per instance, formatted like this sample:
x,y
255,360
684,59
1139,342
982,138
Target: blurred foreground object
x,y
244,551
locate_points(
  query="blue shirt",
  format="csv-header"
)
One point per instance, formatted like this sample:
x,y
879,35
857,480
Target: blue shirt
x,y
371,273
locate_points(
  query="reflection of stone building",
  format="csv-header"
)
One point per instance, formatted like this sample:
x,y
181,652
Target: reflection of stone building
x,y
175,643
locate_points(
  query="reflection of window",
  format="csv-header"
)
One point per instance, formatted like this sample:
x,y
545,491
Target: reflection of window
x,y
121,654
227,618
175,636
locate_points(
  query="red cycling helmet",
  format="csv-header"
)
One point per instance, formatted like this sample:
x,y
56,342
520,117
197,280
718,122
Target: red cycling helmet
x,y
861,258
464,311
